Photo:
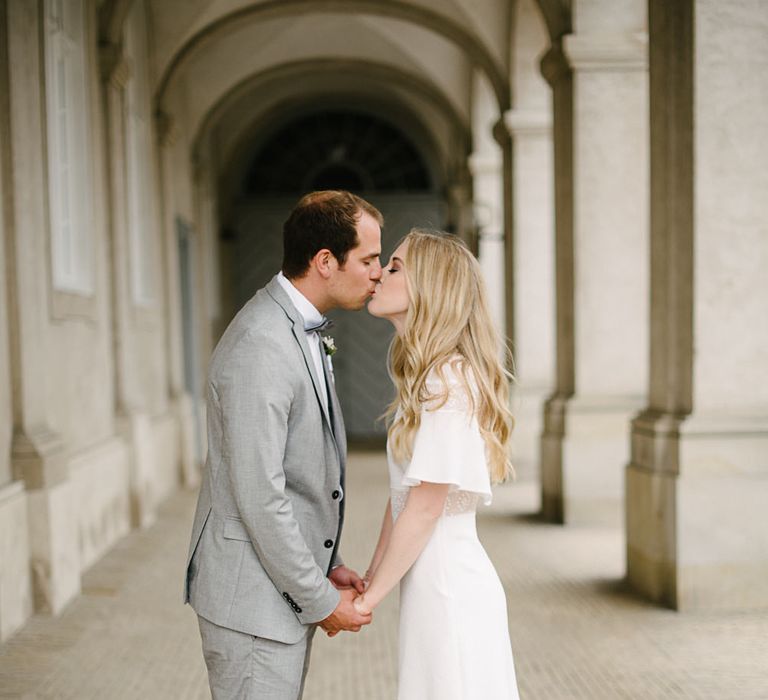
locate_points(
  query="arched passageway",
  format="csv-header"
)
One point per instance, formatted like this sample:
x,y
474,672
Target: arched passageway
x,y
336,145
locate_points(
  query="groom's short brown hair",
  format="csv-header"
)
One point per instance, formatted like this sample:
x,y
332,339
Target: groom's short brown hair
x,y
325,219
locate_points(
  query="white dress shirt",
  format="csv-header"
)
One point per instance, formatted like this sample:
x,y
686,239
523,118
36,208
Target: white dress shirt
x,y
311,317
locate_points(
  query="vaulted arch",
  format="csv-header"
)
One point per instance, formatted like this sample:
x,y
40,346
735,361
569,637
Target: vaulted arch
x,y
394,9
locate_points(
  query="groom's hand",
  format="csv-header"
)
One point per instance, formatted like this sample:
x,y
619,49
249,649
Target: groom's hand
x,y
344,578
345,617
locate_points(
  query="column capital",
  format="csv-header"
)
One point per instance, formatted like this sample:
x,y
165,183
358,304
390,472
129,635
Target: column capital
x,y
554,65
484,164
607,52
113,67
167,130
528,122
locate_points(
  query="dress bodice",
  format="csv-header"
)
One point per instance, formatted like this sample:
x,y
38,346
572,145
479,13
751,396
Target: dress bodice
x,y
448,448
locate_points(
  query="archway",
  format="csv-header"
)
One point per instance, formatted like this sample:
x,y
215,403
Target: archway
x,y
323,148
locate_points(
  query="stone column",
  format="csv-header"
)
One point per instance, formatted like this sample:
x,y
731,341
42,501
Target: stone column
x,y
486,164
557,72
37,452
15,582
181,401
133,422
532,278
697,484
602,283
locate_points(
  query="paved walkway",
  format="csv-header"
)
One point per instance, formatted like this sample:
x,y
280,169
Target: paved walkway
x,y
576,633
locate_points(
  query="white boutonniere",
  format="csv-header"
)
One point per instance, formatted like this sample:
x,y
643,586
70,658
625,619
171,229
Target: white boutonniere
x,y
329,346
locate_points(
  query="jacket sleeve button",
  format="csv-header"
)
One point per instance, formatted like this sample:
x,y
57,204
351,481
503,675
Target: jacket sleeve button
x,y
328,544
335,495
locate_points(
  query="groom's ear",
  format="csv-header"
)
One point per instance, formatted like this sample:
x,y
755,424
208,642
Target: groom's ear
x,y
324,262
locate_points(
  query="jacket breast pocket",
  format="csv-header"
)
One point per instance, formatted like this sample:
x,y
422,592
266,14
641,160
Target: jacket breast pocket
x,y
234,529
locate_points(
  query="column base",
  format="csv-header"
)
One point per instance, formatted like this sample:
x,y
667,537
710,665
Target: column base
x,y
696,535
187,414
55,558
527,407
99,477
15,581
154,464
583,465
38,457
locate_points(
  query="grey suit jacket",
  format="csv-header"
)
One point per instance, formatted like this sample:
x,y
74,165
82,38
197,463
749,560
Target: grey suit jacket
x,y
271,502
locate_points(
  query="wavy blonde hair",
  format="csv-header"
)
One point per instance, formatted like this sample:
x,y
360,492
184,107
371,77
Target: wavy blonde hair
x,y
448,322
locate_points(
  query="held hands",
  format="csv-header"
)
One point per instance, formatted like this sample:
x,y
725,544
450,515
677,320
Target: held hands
x,y
344,578
345,617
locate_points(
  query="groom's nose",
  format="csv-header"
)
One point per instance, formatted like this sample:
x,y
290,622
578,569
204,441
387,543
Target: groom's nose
x,y
376,270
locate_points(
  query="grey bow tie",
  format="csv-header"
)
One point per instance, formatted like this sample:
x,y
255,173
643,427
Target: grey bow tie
x,y
324,325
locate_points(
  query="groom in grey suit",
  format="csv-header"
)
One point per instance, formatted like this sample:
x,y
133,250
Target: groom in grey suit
x,y
264,568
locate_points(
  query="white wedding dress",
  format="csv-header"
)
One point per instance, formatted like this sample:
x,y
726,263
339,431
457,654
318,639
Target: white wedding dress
x,y
454,640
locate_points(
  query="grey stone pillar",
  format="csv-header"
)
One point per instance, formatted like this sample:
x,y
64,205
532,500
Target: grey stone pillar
x,y
697,484
602,284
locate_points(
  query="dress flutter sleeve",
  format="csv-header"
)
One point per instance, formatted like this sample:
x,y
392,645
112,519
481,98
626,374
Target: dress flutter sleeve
x,y
449,449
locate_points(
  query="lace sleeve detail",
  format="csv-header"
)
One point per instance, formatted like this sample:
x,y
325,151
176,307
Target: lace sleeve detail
x,y
460,397
457,502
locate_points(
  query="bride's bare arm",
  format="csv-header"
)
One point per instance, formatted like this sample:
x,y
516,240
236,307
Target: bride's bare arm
x,y
381,545
408,537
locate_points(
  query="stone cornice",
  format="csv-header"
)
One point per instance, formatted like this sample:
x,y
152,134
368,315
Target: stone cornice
x,y
607,52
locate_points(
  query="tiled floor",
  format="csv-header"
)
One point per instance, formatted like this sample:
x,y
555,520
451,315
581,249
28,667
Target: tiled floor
x,y
575,632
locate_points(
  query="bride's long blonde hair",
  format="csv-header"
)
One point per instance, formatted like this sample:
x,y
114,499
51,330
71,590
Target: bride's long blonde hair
x,y
448,321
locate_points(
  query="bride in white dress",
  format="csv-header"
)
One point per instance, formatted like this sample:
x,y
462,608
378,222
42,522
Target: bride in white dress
x,y
448,439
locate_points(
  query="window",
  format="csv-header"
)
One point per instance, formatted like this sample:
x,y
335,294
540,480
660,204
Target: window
x,y
68,152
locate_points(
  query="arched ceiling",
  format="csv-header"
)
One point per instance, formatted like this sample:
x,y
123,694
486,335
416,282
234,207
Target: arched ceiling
x,y
232,131
214,70
474,32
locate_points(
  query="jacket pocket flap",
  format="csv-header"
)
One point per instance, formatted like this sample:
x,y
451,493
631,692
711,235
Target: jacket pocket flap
x,y
235,530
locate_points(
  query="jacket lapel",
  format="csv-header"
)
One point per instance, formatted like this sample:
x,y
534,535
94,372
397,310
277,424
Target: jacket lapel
x,y
281,298
337,417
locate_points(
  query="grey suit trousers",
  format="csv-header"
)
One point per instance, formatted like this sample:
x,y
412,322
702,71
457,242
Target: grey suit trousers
x,y
244,667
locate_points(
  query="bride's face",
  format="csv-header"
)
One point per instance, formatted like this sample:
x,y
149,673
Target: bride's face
x,y
390,299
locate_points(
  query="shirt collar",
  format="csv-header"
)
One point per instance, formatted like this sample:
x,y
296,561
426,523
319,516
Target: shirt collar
x,y
309,313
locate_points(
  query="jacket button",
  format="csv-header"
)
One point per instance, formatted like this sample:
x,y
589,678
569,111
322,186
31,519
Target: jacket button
x,y
328,544
286,596
335,495
299,610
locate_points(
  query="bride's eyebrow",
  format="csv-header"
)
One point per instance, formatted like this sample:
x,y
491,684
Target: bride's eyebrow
x,y
394,259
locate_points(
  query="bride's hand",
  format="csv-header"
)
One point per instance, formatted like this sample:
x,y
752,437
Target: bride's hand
x,y
361,606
